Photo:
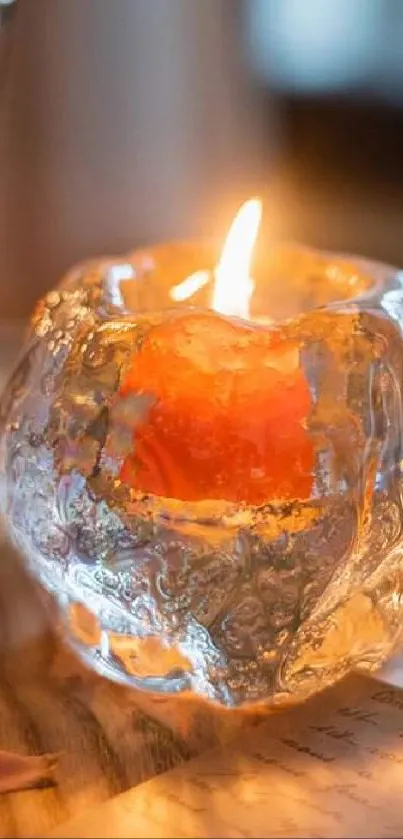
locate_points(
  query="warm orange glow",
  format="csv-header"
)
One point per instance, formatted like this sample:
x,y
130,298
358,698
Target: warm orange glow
x,y
233,287
224,406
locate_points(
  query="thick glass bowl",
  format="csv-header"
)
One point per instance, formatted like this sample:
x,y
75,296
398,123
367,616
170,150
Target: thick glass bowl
x,y
241,604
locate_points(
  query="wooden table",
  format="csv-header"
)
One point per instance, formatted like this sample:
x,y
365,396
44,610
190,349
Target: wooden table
x,y
108,739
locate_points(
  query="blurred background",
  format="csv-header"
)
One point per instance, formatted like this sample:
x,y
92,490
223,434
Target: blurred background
x,y
132,121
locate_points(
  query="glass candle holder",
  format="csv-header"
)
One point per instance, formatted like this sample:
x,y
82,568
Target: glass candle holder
x,y
250,571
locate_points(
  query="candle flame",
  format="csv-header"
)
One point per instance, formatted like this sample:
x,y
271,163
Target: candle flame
x,y
233,287
189,286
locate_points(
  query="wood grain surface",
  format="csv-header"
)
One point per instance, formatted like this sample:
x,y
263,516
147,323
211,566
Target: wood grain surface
x,y
108,738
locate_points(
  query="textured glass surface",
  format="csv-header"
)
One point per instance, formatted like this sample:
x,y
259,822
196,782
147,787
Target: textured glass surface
x,y
237,602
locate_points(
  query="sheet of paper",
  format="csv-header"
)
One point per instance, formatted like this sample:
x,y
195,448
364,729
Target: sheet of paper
x,y
331,768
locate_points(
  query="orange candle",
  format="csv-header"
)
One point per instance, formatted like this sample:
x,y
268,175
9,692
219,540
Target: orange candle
x,y
228,400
